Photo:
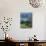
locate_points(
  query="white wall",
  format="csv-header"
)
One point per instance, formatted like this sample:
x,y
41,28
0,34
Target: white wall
x,y
13,8
45,28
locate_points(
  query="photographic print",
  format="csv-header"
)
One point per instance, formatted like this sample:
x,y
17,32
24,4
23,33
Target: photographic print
x,y
26,20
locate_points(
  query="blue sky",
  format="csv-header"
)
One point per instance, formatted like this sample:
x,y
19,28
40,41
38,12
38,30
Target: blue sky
x,y
26,16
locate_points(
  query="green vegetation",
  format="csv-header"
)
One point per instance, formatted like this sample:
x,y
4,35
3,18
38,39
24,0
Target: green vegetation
x,y
26,24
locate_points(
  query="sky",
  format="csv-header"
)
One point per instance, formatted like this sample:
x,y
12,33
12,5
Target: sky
x,y
26,16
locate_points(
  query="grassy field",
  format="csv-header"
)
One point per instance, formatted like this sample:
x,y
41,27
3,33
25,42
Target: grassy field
x,y
26,25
